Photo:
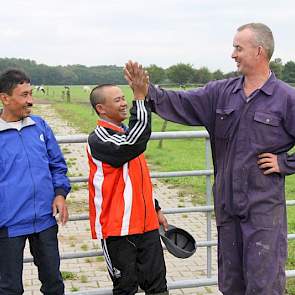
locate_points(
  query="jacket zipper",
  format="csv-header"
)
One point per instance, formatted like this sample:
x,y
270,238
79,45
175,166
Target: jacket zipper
x,y
34,189
142,193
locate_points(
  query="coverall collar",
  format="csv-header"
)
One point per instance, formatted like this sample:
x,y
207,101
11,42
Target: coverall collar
x,y
267,88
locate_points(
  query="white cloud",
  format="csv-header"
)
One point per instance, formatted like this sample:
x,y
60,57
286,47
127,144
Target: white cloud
x,y
161,32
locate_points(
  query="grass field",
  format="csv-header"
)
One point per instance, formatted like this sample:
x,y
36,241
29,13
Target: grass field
x,y
185,154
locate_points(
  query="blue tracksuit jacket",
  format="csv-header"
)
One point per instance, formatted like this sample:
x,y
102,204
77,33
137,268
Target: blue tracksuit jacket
x,y
32,172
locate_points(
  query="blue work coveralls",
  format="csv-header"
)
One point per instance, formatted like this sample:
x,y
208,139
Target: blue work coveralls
x,y
249,206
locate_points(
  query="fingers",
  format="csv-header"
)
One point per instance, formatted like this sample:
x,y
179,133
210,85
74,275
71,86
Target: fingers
x,y
146,77
63,214
137,78
266,165
63,218
134,70
129,67
269,163
165,224
266,155
269,171
127,75
162,220
59,206
54,210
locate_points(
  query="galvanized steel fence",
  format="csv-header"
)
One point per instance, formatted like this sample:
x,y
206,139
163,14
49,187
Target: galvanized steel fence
x,y
207,209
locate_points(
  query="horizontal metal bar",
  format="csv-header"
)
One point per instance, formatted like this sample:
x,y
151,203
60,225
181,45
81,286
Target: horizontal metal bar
x,y
82,138
291,236
166,211
159,175
171,286
179,134
182,173
290,202
169,211
73,255
188,209
100,252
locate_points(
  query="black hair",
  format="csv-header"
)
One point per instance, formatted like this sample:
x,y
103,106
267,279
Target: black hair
x,y
96,95
11,78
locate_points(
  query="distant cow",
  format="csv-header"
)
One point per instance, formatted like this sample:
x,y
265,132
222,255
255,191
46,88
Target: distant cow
x,y
86,89
40,88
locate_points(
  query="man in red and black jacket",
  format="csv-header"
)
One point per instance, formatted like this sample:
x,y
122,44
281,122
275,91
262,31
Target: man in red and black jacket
x,y
123,212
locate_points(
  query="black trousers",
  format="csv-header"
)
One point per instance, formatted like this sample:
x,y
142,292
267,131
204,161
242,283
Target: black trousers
x,y
44,248
136,260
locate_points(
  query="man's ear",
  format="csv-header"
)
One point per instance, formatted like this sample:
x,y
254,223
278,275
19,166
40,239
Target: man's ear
x,y
4,98
260,50
100,108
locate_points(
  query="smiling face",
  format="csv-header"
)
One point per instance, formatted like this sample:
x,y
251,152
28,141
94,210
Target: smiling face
x,y
246,53
17,105
114,108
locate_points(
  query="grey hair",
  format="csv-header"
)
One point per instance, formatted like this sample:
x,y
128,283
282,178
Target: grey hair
x,y
263,36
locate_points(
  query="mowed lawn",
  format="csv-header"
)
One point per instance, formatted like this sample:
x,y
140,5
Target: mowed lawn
x,y
174,155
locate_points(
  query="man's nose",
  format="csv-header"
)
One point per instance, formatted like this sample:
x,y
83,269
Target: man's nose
x,y
234,54
30,99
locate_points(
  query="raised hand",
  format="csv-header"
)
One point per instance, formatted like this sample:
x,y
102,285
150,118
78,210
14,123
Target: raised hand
x,y
137,79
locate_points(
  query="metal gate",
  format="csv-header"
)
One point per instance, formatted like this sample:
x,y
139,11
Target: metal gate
x,y
209,280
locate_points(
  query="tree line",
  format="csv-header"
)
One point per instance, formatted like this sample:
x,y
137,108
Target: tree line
x,y
180,73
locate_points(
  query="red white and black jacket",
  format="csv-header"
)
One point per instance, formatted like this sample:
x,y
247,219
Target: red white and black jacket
x,y
120,189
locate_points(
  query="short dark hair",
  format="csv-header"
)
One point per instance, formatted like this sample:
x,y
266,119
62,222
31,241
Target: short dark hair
x,y
96,95
11,78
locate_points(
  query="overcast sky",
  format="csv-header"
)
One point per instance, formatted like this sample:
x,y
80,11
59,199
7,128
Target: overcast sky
x,y
161,32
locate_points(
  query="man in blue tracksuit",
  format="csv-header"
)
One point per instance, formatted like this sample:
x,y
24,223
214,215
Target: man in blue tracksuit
x,y
33,187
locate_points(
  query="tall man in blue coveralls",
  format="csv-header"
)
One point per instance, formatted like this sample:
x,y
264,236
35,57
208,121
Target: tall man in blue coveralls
x,y
251,122
33,187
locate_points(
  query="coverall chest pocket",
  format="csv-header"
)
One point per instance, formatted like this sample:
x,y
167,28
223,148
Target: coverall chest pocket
x,y
266,129
223,122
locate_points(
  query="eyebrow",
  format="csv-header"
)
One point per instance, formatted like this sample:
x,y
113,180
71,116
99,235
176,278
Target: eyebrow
x,y
119,97
26,92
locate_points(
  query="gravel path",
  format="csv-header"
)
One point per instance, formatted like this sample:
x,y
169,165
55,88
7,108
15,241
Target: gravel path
x,y
91,273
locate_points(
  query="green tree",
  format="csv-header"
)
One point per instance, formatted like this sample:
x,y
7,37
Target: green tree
x,y
65,75
277,67
180,73
217,75
232,74
289,72
202,75
157,74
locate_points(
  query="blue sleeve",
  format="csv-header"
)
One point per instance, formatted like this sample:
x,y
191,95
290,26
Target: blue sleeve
x,y
57,164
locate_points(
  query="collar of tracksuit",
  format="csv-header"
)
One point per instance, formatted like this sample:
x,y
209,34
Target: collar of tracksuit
x,y
25,122
103,123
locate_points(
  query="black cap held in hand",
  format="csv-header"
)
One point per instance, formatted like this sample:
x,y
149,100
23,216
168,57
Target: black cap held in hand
x,y
178,242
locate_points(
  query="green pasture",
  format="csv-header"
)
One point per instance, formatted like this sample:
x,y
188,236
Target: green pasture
x,y
184,154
